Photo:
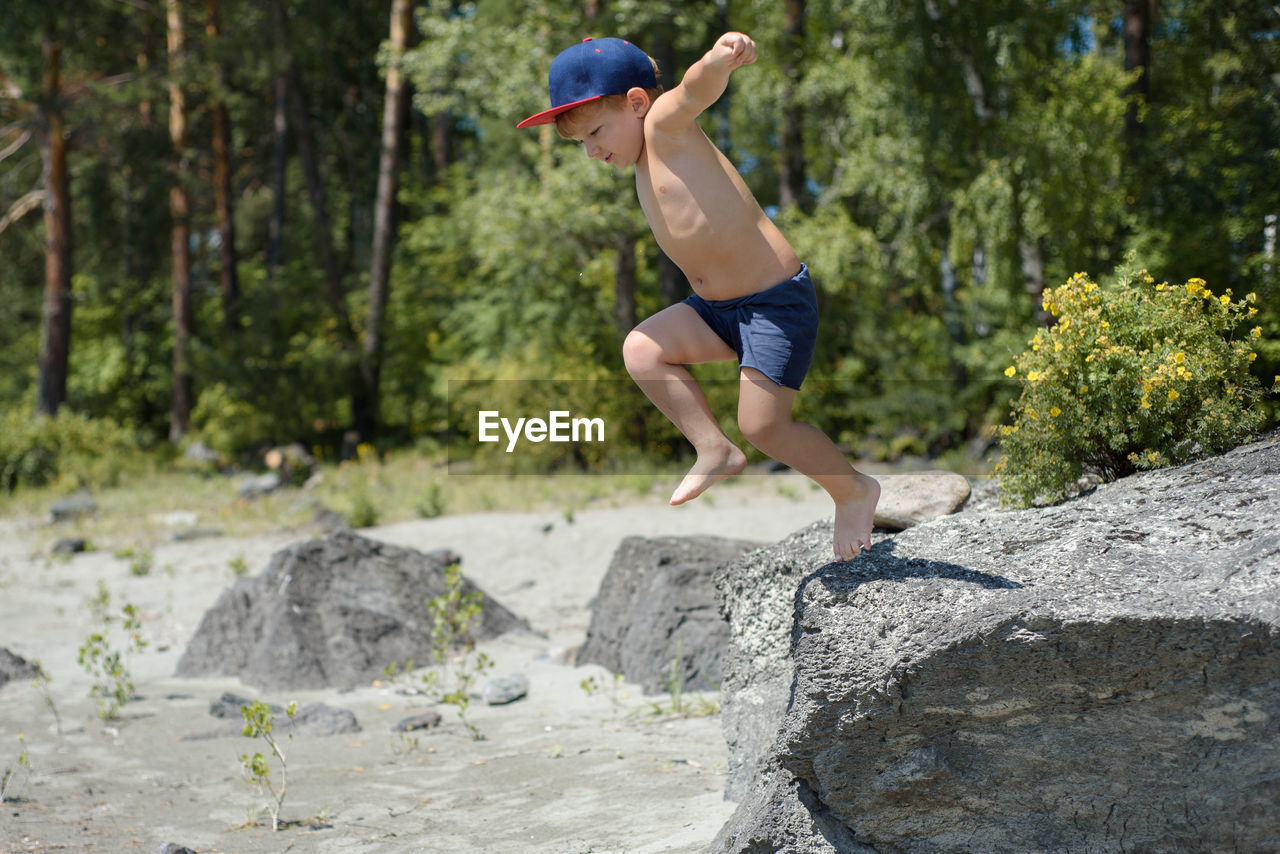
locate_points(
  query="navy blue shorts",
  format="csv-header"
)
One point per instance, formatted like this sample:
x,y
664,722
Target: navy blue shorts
x,y
772,331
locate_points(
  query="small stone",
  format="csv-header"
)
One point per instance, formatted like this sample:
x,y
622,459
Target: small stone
x,y
172,848
505,689
79,503
68,546
252,487
426,720
909,499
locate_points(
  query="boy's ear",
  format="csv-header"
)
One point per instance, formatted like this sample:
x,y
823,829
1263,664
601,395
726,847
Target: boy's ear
x,y
638,101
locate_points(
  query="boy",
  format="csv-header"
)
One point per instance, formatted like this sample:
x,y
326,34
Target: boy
x,y
753,299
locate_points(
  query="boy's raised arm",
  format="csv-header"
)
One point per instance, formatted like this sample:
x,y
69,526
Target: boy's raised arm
x,y
704,82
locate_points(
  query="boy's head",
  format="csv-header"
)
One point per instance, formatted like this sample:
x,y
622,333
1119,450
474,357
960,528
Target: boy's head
x,y
595,70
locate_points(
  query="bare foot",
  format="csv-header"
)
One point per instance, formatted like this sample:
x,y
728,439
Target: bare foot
x,y
855,518
710,468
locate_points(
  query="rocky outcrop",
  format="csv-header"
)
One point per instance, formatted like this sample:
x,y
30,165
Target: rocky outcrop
x,y
330,612
657,602
1103,675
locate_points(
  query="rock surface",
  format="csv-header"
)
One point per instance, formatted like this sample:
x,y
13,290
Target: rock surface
x,y
14,667
1103,675
909,499
657,601
330,612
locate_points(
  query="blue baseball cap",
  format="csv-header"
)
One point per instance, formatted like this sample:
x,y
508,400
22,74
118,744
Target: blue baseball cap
x,y
591,70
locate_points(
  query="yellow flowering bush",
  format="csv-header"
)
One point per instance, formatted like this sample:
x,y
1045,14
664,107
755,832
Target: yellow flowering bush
x,y
1135,375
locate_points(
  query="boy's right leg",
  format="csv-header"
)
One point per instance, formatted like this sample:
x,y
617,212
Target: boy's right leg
x,y
655,353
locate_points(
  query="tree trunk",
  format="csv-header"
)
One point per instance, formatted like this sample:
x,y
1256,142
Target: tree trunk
x,y
179,209
364,404
794,182
55,334
624,284
279,160
1137,57
224,198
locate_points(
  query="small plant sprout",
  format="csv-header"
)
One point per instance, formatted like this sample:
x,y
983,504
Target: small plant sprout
x,y
260,723
22,767
239,566
453,613
108,666
41,683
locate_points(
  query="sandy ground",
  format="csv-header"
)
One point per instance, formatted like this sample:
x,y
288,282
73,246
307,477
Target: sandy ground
x,y
563,771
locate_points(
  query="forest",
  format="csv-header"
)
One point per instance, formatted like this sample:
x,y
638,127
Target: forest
x,y
252,222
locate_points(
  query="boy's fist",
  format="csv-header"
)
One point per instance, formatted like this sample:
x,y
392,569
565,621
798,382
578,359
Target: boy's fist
x,y
734,50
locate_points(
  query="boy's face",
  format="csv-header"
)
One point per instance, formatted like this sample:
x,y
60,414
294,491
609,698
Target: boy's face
x,y
614,135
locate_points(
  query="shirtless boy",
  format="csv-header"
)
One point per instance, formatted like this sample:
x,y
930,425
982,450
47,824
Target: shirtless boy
x,y
753,300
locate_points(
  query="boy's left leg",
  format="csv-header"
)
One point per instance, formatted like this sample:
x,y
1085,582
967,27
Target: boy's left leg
x,y
764,416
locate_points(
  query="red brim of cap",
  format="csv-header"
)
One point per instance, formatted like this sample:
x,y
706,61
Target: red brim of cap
x,y
546,117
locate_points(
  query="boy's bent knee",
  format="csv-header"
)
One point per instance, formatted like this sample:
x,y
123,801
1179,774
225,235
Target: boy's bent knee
x,y
764,434
640,353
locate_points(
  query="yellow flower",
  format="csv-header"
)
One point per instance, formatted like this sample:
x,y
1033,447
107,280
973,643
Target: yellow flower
x,y
1256,332
1084,389
1224,299
1192,289
1010,371
1252,356
1033,376
1146,402
1153,456
1055,412
1179,358
1173,395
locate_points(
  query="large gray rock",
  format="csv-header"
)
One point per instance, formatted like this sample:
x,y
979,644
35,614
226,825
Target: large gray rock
x,y
658,601
1103,675
330,612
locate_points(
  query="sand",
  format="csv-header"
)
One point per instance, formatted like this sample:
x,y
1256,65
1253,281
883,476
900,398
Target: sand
x,y
563,771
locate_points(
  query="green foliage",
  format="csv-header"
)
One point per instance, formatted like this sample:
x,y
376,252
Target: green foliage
x,y
21,766
70,450
259,722
1135,375
453,615
105,663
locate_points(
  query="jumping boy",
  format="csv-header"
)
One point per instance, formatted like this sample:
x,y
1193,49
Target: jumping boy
x,y
752,300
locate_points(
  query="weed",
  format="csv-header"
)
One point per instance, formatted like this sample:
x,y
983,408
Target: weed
x,y
239,566
364,512
41,683
22,766
591,686
109,667
432,501
453,613
260,723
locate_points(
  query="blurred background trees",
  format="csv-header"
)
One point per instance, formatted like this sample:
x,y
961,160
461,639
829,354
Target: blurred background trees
x,y
256,221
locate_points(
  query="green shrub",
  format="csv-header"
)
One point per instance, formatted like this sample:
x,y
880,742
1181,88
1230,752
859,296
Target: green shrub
x,y
36,451
1135,375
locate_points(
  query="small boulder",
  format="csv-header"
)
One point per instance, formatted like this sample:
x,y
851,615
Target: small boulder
x,y
330,613
909,499
658,602
75,505
68,546
505,689
426,720
255,485
14,667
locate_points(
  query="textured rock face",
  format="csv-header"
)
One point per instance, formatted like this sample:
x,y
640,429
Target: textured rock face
x,y
330,612
657,601
1099,676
